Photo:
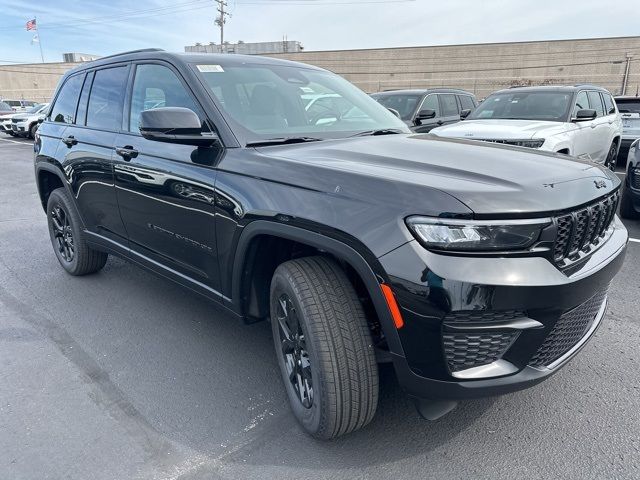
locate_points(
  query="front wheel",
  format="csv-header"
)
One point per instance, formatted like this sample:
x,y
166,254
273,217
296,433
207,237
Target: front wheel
x,y
610,161
627,209
323,346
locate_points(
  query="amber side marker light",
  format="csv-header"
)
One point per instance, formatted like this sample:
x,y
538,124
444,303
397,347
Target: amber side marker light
x,y
393,305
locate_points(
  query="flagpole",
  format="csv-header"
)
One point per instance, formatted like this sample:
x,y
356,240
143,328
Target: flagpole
x,y
39,40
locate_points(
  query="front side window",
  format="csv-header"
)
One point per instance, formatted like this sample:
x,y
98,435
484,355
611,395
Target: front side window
x,y
596,103
449,105
104,110
156,86
64,109
264,101
540,105
582,103
431,103
405,105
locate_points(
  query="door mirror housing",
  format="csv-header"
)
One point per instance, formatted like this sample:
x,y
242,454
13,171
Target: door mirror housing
x,y
584,115
465,113
174,125
426,114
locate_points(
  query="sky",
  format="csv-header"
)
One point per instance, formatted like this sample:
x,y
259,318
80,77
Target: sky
x,y
104,28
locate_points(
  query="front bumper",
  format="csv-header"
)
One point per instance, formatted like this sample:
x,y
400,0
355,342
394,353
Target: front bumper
x,y
5,126
431,289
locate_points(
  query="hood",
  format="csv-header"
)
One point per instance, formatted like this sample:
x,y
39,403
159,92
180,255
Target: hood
x,y
498,129
494,181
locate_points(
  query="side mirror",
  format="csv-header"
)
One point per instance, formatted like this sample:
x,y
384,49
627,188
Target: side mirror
x,y
465,113
584,115
426,114
394,111
174,125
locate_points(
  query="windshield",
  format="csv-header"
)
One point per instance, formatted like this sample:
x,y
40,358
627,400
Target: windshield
x,y
34,109
405,105
549,106
265,101
4,107
628,106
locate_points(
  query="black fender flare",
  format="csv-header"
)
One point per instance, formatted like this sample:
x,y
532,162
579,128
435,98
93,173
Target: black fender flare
x,y
331,245
57,171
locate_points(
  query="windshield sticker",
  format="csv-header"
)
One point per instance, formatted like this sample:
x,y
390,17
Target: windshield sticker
x,y
210,68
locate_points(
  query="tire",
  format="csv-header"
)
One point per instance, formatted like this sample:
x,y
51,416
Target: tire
x,y
11,133
67,236
626,204
612,156
334,346
32,130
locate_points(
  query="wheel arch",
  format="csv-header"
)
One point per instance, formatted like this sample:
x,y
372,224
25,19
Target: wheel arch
x,y
247,269
48,178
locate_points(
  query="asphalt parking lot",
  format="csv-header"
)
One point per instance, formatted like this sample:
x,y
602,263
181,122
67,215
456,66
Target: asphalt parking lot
x,y
124,375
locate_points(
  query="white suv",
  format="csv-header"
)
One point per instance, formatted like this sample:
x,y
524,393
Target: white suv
x,y
26,123
580,120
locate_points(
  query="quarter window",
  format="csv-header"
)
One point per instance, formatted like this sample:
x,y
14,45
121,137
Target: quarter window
x,y
596,103
156,86
64,109
105,100
449,105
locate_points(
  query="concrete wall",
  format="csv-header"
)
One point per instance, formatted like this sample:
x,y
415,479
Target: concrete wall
x,y
35,81
484,68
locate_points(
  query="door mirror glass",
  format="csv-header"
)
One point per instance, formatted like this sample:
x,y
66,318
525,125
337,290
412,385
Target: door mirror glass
x,y
465,113
174,125
585,115
426,114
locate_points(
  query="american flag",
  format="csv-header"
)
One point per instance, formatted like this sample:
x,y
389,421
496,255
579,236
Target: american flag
x,y
31,24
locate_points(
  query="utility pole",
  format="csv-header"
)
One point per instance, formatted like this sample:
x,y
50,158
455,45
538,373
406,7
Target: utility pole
x,y
221,20
625,79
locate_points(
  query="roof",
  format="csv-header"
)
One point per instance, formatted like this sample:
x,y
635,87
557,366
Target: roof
x,y
554,88
422,91
190,57
627,97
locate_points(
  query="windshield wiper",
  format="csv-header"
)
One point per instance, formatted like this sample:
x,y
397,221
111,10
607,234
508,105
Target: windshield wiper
x,y
381,131
282,141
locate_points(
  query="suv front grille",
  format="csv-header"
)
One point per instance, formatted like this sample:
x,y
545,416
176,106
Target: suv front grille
x,y
635,178
582,230
468,350
568,330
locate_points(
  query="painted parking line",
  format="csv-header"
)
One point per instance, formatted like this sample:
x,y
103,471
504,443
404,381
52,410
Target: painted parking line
x,y
14,141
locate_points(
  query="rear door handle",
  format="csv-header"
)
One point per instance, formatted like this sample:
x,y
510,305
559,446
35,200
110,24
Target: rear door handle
x,y
127,152
70,141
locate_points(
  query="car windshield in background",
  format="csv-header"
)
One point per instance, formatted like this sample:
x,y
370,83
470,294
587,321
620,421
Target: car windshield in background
x,y
628,106
549,106
405,105
5,107
264,102
34,109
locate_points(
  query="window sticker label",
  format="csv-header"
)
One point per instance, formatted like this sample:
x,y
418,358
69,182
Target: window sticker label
x,y
210,68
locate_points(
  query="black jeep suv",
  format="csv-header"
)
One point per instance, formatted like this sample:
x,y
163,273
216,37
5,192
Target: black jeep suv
x,y
476,269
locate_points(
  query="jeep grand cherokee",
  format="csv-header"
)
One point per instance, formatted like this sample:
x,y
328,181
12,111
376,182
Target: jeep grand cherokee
x,y
476,269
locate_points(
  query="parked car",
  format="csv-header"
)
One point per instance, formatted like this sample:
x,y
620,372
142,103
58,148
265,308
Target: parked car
x,y
579,120
474,270
25,124
629,108
630,198
5,117
19,105
423,110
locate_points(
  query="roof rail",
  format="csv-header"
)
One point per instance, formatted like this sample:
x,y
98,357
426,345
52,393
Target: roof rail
x,y
141,50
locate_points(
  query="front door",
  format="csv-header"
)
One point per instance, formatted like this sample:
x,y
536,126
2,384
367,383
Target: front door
x,y
430,102
166,191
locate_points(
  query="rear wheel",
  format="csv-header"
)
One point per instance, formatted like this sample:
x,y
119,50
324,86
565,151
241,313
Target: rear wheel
x,y
610,161
323,346
67,237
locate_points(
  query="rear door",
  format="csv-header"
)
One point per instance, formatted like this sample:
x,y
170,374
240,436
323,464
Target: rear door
x,y
87,147
166,191
449,107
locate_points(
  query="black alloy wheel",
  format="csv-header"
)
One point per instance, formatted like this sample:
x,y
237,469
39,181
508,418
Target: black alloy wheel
x,y
610,162
62,233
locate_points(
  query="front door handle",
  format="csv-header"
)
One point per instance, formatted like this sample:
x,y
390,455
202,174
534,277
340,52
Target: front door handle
x,y
127,152
70,141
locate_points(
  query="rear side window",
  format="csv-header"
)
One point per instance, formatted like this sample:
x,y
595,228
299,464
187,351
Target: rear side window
x,y
156,86
609,106
64,110
596,103
466,102
106,98
449,105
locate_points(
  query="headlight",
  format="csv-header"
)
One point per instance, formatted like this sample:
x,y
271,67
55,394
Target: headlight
x,y
535,143
476,235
